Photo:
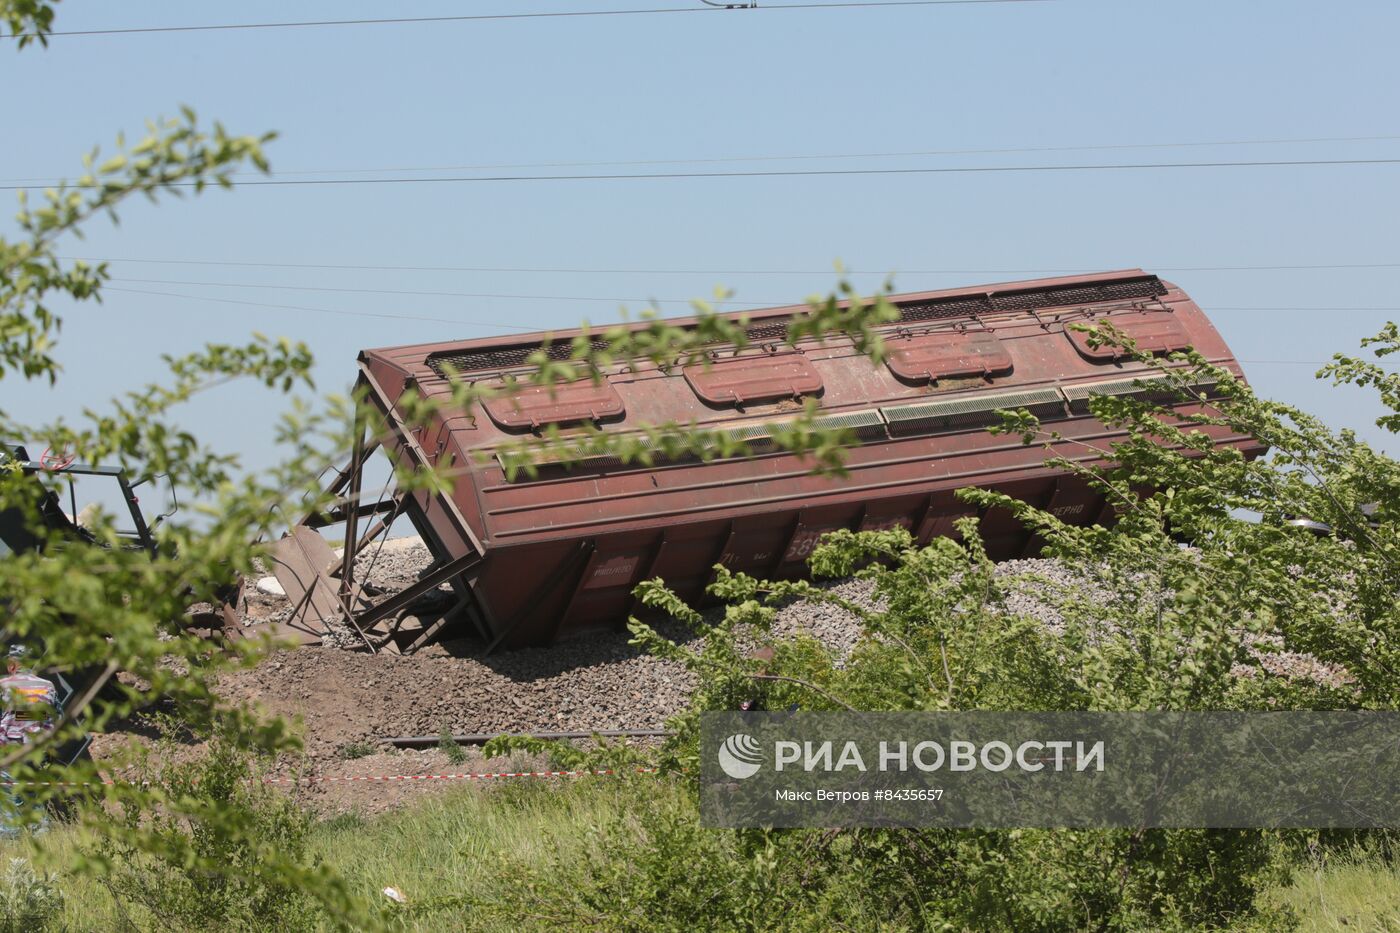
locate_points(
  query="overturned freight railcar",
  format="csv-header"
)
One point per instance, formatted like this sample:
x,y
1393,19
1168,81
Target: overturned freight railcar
x,y
534,559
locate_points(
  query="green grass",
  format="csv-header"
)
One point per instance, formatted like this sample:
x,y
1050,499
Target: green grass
x,y
454,855
451,852
463,845
353,750
1356,891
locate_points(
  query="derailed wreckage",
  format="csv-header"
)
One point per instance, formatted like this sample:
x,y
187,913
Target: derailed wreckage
x,y
532,559
50,521
42,522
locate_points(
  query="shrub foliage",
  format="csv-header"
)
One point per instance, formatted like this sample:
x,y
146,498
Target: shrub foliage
x,y
1254,614
1201,597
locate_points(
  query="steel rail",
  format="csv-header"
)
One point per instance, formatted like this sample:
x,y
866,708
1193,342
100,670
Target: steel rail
x,y
481,738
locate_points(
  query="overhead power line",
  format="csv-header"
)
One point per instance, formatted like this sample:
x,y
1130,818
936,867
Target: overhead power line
x,y
1307,362
524,329
754,302
791,173
1281,267
909,154
482,17
750,304
1213,308
435,294
912,153
339,311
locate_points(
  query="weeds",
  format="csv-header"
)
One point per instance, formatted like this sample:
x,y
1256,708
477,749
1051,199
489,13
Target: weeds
x,y
29,901
224,852
358,749
454,752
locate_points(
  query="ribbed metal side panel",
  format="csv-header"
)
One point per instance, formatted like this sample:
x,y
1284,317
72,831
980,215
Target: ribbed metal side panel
x,y
750,433
469,361
550,459
970,410
1055,297
1147,287
773,330
867,423
1140,386
1152,386
946,308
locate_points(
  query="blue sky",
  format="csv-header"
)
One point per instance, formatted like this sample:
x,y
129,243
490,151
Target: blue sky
x,y
366,101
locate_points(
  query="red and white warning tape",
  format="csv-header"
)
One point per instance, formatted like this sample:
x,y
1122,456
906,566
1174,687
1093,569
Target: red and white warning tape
x,y
468,776
365,778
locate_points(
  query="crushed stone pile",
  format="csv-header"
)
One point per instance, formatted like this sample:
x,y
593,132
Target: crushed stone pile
x,y
595,682
343,697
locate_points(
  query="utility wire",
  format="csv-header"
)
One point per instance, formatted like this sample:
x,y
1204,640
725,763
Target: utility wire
x,y
395,291
593,271
520,329
915,153
1211,308
789,173
480,17
1308,362
339,311
1214,308
755,302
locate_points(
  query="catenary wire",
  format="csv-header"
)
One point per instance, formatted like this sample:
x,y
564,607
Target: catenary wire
x,y
406,317
482,17
436,294
915,153
339,311
753,302
788,173
520,329
828,271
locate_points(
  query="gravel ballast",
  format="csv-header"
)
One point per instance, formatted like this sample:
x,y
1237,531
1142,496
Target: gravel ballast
x,y
597,681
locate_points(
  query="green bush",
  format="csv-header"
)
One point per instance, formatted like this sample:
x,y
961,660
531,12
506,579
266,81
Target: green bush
x,y
29,902
455,753
658,869
229,853
1147,625
350,751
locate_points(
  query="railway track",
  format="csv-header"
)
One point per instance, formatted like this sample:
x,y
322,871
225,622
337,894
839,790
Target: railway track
x,y
574,688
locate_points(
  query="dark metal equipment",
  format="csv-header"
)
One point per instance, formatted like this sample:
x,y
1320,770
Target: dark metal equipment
x,y
534,559
17,531
47,524
481,738
47,521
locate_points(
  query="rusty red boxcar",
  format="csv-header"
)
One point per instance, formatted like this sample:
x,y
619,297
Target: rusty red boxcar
x,y
540,558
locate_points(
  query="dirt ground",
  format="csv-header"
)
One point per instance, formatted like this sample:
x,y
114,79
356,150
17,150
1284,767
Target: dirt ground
x,y
390,779
366,779
343,702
